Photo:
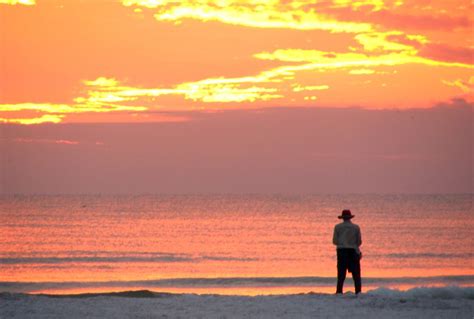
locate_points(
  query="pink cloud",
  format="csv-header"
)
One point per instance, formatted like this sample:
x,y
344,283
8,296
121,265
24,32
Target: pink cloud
x,y
66,142
45,141
403,21
437,51
417,22
403,39
444,52
278,150
52,141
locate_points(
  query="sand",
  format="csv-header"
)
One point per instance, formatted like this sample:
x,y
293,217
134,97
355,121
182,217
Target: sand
x,y
381,303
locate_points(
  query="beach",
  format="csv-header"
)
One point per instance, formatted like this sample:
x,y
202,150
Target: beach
x,y
232,256
380,303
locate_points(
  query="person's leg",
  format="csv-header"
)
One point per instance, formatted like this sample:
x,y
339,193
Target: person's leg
x,y
341,276
356,273
341,269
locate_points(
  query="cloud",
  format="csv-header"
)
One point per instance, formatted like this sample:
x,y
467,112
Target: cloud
x,y
368,157
333,16
18,2
383,59
372,5
109,95
96,102
375,23
443,52
45,118
258,14
243,89
403,20
465,86
332,60
46,141
227,93
266,150
372,21
381,42
104,95
361,71
298,88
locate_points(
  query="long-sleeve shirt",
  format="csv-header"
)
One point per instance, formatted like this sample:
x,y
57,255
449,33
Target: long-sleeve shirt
x,y
347,235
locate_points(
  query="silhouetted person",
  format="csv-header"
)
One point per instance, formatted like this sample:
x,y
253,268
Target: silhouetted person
x,y
347,238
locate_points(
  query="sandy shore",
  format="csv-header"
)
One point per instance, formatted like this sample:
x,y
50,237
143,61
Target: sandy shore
x,y
417,303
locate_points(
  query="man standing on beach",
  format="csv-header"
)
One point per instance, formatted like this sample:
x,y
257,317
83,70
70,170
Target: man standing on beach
x,y
347,238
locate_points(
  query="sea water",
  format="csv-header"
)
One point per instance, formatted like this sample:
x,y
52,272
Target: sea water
x,y
244,244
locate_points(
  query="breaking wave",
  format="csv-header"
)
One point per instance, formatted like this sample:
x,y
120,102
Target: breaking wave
x,y
467,280
451,292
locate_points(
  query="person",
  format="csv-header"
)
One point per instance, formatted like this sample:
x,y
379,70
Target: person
x,y
347,238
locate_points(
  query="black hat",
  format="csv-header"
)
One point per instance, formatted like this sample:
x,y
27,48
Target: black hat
x,y
346,214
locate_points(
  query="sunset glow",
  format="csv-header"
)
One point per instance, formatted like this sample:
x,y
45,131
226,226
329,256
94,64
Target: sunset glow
x,y
169,152
137,57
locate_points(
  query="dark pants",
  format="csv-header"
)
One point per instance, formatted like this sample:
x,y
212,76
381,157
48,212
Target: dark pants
x,y
348,260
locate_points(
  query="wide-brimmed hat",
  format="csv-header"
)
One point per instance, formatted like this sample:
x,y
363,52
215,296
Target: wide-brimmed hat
x,y
346,214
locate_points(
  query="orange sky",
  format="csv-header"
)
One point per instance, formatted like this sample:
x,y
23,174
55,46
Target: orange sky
x,y
124,60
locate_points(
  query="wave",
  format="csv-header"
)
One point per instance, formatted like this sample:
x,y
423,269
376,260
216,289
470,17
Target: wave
x,y
427,255
117,259
451,292
62,260
112,257
232,282
127,294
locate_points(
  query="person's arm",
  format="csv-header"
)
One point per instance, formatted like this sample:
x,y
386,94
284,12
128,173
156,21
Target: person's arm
x,y
359,238
334,237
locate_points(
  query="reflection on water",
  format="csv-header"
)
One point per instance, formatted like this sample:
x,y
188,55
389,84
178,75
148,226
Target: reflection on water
x,y
133,238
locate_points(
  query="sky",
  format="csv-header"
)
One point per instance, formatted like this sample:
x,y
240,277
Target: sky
x,y
236,96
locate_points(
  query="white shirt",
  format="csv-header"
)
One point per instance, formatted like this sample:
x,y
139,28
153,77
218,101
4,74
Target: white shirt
x,y
347,235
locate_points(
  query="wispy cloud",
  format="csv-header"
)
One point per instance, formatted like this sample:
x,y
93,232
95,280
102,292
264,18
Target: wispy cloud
x,y
18,2
45,141
95,103
259,14
57,141
465,86
334,60
361,71
245,89
373,66
45,118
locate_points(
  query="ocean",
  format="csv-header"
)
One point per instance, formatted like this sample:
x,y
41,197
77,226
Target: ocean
x,y
229,244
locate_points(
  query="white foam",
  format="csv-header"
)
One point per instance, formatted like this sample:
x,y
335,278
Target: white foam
x,y
450,292
242,282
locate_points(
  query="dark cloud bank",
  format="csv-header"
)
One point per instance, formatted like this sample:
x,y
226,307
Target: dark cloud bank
x,y
289,150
